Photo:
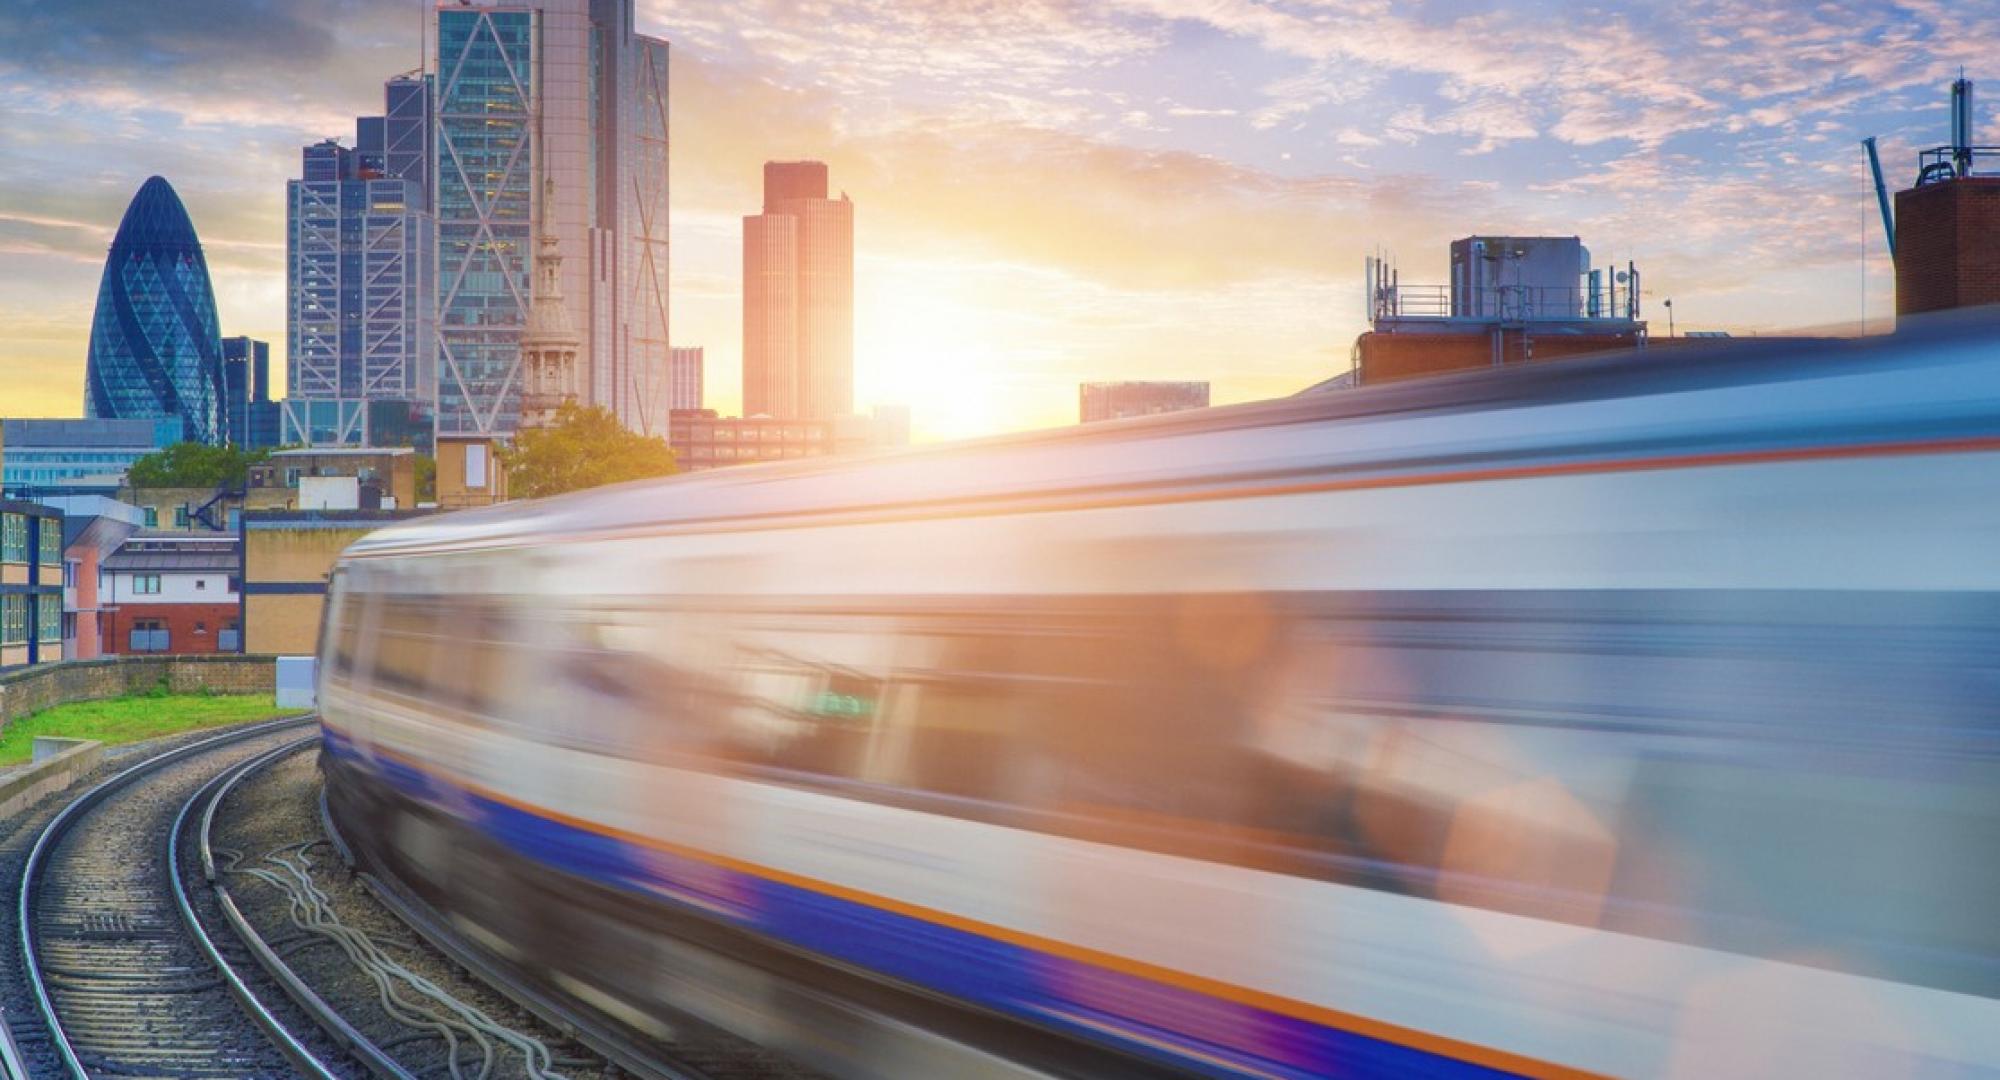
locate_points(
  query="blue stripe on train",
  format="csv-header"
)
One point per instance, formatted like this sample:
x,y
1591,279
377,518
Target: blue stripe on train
x,y
1185,1027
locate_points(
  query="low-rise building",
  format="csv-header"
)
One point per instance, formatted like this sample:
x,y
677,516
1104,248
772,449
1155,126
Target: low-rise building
x,y
384,478
93,528
185,509
287,561
168,592
469,473
70,457
702,440
1118,400
31,578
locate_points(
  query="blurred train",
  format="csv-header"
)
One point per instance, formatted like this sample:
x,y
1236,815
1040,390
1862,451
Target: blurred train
x,y
1636,717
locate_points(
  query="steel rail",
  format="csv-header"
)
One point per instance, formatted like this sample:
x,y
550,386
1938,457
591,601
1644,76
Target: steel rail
x,y
329,1019
52,834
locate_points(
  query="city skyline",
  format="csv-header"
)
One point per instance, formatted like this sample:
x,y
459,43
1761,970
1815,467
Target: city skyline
x,y
1221,172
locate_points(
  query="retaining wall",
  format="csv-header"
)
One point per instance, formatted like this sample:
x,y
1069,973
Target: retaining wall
x,y
58,763
37,688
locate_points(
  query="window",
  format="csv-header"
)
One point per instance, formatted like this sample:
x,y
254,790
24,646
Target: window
x,y
231,638
69,574
201,627
51,542
152,517
13,620
475,466
148,635
13,538
181,516
145,584
51,613
200,583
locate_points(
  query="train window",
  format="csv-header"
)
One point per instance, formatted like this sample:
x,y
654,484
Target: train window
x,y
408,646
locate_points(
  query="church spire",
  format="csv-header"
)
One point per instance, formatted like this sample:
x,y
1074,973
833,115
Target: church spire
x,y
550,342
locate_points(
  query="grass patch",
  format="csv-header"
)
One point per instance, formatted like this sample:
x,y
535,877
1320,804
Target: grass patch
x,y
129,719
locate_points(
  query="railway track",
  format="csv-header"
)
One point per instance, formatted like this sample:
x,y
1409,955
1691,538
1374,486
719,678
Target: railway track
x,y
123,982
127,963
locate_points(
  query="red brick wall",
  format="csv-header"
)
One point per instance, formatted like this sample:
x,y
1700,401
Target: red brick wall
x,y
1948,245
192,629
1389,357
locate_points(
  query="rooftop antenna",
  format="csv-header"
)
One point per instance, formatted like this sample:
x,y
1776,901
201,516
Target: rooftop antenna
x,y
1961,125
1881,194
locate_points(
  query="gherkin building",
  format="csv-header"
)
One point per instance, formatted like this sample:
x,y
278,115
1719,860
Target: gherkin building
x,y
155,349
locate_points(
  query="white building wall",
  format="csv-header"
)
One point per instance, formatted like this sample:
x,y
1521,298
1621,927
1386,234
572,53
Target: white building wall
x,y
176,587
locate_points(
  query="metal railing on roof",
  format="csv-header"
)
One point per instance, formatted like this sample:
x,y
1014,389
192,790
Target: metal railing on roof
x,y
1942,163
1507,302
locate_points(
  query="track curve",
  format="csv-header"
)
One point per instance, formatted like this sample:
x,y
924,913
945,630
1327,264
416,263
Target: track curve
x,y
122,987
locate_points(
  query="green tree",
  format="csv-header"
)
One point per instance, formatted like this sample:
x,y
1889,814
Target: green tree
x,y
193,464
427,478
586,447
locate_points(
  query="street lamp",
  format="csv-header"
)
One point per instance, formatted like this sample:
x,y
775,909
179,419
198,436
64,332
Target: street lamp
x,y
1670,316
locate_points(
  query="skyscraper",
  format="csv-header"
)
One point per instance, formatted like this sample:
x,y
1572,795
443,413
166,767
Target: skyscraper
x,y
798,297
155,350
359,320
593,119
246,393
687,377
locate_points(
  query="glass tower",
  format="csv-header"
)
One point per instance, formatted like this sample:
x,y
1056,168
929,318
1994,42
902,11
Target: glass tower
x,y
569,90
155,350
360,279
485,193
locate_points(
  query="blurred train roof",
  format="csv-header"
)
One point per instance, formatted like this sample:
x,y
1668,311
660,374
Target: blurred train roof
x,y
943,474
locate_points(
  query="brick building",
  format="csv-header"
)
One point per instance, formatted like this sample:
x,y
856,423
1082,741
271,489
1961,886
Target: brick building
x,y
287,559
384,478
1406,351
185,509
163,592
1948,245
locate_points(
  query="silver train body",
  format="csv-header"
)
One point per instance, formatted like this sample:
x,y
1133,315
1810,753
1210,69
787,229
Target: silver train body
x,y
1633,718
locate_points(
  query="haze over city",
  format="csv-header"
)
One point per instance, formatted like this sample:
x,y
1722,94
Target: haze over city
x,y
1051,193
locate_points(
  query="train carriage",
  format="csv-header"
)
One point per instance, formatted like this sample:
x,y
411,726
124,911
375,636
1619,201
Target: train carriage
x,y
1631,717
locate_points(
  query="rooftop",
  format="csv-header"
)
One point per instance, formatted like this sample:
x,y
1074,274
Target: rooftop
x,y
342,451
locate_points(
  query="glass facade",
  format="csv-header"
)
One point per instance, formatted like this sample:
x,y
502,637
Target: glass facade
x,y
44,457
484,202
649,393
155,350
359,249
246,384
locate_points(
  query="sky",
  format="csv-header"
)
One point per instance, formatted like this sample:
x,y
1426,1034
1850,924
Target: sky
x,y
1048,192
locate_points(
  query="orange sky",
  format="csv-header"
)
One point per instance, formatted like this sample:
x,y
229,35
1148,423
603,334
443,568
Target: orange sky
x,y
1055,192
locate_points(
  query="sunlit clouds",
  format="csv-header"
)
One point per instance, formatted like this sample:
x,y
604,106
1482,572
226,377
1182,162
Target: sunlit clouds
x,y
1055,192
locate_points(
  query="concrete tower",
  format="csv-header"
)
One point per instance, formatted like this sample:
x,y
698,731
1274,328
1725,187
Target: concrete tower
x,y
549,343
